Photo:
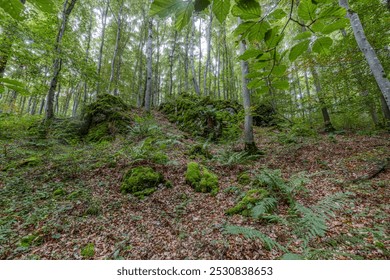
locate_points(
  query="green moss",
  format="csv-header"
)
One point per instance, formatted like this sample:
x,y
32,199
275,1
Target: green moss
x,y
59,192
244,178
248,202
30,240
88,251
141,181
106,117
201,179
205,117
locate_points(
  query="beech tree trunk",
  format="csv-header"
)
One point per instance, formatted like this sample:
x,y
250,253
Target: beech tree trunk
x,y
205,91
68,7
250,145
369,53
192,58
104,24
148,91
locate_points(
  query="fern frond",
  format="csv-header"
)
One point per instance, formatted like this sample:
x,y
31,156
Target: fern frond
x,y
250,233
330,203
310,224
266,205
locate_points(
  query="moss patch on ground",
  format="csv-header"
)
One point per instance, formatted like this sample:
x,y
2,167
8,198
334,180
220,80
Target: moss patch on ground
x,y
201,179
245,205
141,181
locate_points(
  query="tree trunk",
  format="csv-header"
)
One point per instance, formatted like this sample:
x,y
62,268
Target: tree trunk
x,y
324,110
205,91
250,145
369,53
104,24
192,58
148,92
171,61
117,42
87,57
58,60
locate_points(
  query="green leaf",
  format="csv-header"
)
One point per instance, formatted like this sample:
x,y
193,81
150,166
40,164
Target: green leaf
x,y
247,9
250,53
277,14
298,49
164,8
337,25
47,6
273,37
303,35
183,16
332,11
258,31
12,7
221,9
14,85
279,70
200,5
256,83
282,85
322,45
307,10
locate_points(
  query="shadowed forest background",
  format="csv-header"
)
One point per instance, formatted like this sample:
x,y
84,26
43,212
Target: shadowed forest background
x,y
199,129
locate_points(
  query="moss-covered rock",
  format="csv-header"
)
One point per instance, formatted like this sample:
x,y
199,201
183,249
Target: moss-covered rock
x,y
244,178
205,117
251,198
201,179
264,115
141,181
106,117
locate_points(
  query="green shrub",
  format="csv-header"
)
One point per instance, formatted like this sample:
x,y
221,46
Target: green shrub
x,y
141,181
201,179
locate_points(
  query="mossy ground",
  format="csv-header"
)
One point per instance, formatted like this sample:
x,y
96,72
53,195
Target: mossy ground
x,y
249,200
141,181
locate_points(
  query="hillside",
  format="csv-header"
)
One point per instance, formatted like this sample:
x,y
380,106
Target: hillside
x,y
64,201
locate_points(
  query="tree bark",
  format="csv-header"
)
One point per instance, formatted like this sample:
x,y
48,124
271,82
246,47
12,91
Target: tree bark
x,y
148,92
250,145
192,58
205,91
68,7
104,24
369,53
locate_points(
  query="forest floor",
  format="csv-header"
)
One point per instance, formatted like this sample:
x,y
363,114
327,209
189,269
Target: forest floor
x,y
63,201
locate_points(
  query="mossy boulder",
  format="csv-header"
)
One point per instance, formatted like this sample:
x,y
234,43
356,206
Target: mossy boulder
x,y
106,117
251,198
264,115
141,181
205,117
201,179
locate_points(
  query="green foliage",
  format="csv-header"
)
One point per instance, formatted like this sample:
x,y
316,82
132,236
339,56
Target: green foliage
x,y
204,117
14,7
201,150
141,181
228,157
149,149
144,127
201,179
30,240
244,178
88,251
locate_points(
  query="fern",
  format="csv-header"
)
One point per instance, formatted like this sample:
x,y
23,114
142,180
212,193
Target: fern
x,y
312,222
274,181
264,206
230,158
250,233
